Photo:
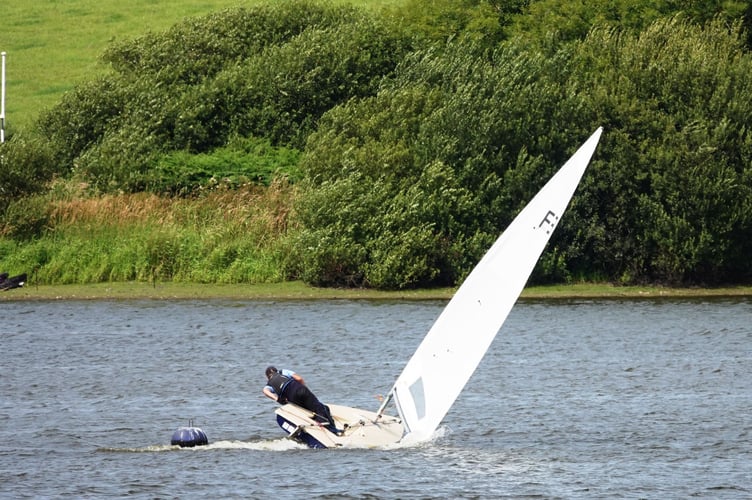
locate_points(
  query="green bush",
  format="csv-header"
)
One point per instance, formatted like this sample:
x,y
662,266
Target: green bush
x,y
268,72
243,161
568,21
436,22
201,47
25,218
281,92
671,204
458,142
26,167
82,118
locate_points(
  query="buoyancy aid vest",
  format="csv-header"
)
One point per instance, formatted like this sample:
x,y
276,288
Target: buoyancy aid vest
x,y
279,382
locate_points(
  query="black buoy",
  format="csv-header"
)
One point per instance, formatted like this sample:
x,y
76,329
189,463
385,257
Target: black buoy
x,y
188,437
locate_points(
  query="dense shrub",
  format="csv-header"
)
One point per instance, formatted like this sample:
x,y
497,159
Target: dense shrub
x,y
82,118
270,71
565,20
458,143
201,47
24,218
281,93
439,142
242,161
435,22
672,203
26,167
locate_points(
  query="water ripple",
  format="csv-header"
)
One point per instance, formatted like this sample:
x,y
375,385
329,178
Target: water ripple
x,y
575,399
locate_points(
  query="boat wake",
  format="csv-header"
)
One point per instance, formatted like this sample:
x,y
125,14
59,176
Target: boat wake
x,y
414,443
281,444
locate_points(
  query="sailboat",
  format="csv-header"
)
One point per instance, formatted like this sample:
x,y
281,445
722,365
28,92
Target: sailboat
x,y
456,343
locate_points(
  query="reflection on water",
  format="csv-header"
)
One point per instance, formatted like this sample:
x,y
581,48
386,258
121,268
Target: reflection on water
x,y
632,398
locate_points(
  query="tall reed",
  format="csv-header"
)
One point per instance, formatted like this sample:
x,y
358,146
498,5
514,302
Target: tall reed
x,y
224,236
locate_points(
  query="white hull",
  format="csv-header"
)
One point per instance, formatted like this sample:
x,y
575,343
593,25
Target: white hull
x,y
360,428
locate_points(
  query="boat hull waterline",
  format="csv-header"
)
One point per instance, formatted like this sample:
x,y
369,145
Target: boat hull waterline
x,y
359,428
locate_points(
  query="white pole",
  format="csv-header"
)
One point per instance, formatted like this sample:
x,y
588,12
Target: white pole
x,y
2,102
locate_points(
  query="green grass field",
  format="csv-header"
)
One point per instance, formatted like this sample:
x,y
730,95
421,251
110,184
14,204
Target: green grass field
x,y
52,45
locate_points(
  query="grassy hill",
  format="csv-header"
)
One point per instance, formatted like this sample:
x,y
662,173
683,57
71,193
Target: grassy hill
x,y
53,45
413,151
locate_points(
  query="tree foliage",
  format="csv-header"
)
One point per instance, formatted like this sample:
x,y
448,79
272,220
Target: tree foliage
x,y
269,72
437,21
675,190
421,178
25,168
566,20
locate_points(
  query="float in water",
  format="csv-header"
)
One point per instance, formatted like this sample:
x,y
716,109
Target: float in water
x,y
188,437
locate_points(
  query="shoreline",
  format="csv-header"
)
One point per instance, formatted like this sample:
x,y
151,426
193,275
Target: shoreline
x,y
296,290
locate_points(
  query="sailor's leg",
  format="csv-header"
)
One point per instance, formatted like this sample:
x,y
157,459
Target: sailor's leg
x,y
308,400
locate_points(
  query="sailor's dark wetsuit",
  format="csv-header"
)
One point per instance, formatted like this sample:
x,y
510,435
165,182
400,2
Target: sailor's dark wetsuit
x,y
289,389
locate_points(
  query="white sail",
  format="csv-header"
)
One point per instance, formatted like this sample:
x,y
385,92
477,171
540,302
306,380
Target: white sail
x,y
458,340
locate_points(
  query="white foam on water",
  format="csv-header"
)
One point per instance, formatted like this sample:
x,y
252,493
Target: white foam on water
x,y
282,444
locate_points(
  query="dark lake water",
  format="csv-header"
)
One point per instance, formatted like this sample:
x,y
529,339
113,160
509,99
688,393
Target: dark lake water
x,y
575,399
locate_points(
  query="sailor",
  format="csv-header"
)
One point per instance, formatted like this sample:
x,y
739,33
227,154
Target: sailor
x,y
285,386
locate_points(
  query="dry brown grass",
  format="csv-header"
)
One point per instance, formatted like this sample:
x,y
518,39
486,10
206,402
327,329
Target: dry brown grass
x,y
265,209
